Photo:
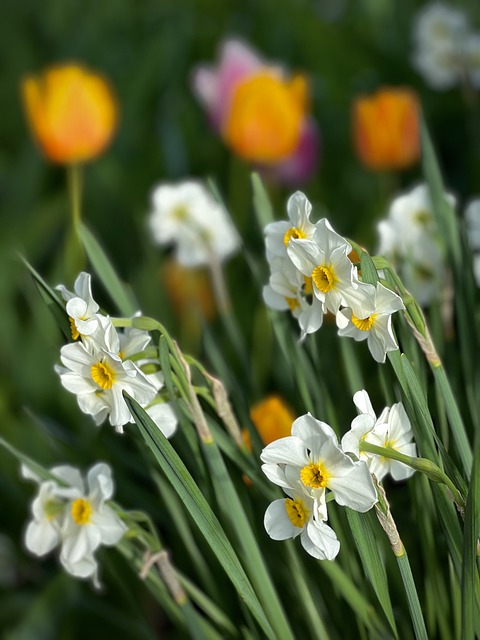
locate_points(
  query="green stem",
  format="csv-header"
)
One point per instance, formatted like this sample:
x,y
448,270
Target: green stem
x,y
429,468
75,188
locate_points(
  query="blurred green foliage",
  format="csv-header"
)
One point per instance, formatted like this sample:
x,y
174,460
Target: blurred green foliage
x,y
148,48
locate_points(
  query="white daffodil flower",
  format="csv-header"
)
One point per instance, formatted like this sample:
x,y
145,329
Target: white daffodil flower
x,y
164,416
440,33
98,378
279,234
392,430
311,456
43,532
290,289
89,522
376,328
298,515
188,216
81,307
472,219
325,261
409,237
66,513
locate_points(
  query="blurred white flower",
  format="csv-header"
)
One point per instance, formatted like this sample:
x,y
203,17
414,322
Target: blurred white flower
x,y
376,328
89,522
409,237
392,430
472,220
67,513
188,216
298,515
81,307
440,33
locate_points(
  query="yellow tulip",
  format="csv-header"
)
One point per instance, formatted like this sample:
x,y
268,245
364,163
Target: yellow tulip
x,y
265,120
272,418
72,112
386,129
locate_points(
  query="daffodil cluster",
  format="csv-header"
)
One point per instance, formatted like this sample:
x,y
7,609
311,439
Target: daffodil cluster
x,y
312,467
312,274
73,514
97,366
447,49
307,465
410,239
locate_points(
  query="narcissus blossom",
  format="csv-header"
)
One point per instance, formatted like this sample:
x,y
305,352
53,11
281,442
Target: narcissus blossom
x,y
446,49
260,112
334,278
279,234
71,111
374,327
188,216
410,239
472,220
392,430
306,465
312,456
299,515
81,307
74,514
98,377
386,129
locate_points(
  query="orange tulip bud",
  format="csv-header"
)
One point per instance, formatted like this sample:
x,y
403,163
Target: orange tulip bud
x,y
386,129
265,120
272,418
71,111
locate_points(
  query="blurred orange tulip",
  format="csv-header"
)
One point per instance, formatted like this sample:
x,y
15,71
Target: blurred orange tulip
x,y
272,418
71,111
189,290
266,117
386,129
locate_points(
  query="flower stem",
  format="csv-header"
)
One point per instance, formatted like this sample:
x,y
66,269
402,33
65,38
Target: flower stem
x,y
429,468
75,188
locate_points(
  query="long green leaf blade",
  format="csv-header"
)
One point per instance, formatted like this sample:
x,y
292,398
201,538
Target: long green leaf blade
x,y
194,501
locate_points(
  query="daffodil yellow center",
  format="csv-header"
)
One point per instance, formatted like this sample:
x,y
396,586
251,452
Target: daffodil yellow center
x,y
423,217
73,329
364,324
314,476
180,212
293,233
292,303
296,512
81,511
324,278
103,375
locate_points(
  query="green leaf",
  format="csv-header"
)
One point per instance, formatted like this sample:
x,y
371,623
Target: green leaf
x,y
200,510
362,528
104,270
369,272
412,597
261,202
51,300
470,580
